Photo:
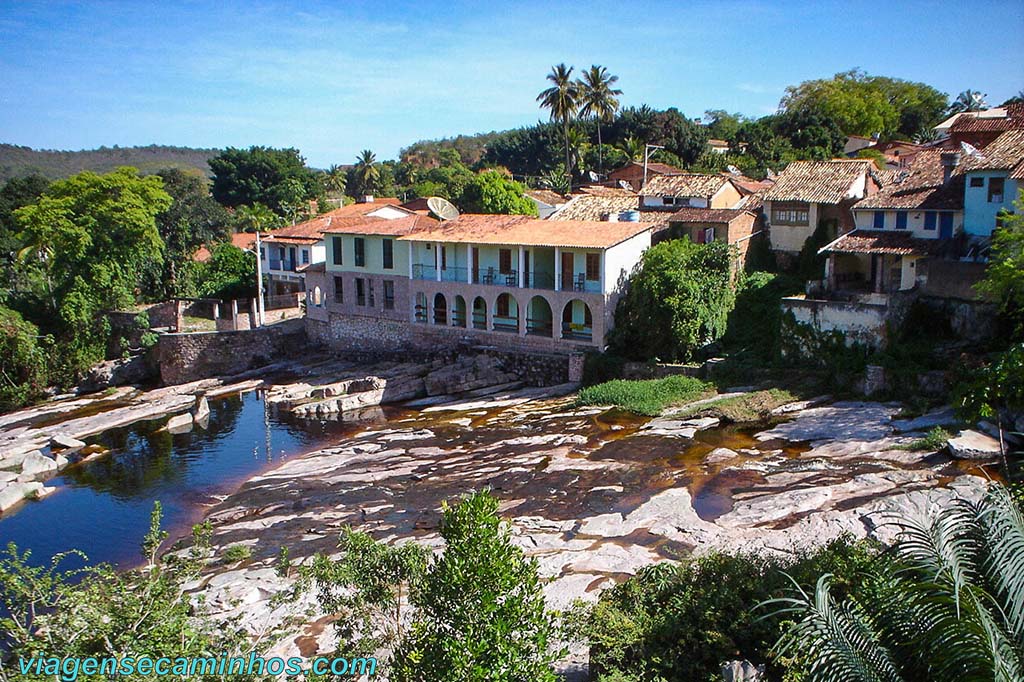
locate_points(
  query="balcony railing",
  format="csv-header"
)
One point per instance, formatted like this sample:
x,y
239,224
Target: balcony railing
x,y
577,332
494,276
282,264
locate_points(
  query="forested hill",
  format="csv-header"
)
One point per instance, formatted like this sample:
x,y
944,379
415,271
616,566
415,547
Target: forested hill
x,y
18,161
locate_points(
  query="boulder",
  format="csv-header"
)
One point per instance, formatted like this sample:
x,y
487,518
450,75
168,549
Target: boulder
x,y
180,423
37,463
719,455
66,443
973,445
134,370
15,493
201,411
940,417
742,671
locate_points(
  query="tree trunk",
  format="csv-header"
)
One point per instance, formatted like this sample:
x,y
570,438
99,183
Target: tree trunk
x,y
600,152
568,160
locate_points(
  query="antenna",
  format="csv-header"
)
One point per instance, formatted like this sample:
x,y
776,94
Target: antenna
x,y
625,185
442,208
594,177
733,169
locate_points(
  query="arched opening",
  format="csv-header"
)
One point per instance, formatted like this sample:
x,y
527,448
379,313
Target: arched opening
x,y
419,311
459,312
577,321
479,313
506,314
538,317
440,309
317,296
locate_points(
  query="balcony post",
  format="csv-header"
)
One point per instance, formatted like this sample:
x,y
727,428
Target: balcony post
x,y
437,261
558,268
410,259
472,265
521,275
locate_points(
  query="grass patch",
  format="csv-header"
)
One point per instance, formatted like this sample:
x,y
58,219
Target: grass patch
x,y
648,396
236,553
752,407
933,440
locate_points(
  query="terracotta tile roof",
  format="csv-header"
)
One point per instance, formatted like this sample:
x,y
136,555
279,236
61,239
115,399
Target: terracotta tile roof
x,y
823,182
312,267
596,207
601,191
546,196
653,167
684,185
900,243
707,215
752,203
918,187
1006,152
526,231
380,226
353,214
748,185
242,240
1010,117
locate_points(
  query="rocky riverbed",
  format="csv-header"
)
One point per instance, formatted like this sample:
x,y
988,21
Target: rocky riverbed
x,y
593,494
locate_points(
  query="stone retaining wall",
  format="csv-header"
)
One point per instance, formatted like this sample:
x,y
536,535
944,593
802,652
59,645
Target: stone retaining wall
x,y
188,357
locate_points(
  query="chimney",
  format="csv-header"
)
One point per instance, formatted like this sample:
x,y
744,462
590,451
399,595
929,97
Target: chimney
x,y
950,160
367,199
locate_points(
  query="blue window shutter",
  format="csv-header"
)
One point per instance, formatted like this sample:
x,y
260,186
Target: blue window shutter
x,y
929,220
879,220
901,220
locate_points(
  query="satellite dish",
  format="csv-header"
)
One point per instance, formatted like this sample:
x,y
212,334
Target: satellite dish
x,y
971,150
625,185
734,170
594,177
442,208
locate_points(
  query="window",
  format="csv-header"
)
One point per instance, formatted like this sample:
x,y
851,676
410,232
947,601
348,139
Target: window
x,y
977,182
336,248
389,254
503,307
372,301
593,266
790,214
305,256
709,235
929,220
389,294
505,261
879,223
339,288
995,190
360,248
901,220
360,291
444,258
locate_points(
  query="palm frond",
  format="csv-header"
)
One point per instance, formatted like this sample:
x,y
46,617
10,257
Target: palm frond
x,y
1004,565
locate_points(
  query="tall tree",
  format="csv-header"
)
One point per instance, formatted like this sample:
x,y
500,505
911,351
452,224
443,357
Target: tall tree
x,y
366,172
968,100
262,175
562,99
493,192
334,180
599,100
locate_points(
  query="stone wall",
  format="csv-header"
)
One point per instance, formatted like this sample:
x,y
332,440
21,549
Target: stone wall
x,y
861,322
187,357
971,320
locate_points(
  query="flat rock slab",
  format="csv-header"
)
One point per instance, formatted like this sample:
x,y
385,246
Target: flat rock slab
x,y
180,423
677,428
844,421
946,415
973,445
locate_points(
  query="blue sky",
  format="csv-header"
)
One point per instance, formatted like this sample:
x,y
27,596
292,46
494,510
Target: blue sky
x,y
332,78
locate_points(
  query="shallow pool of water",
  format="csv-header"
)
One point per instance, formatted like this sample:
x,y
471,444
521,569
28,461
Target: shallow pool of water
x,y
103,507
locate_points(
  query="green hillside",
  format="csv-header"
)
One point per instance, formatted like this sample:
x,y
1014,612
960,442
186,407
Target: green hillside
x,y
54,164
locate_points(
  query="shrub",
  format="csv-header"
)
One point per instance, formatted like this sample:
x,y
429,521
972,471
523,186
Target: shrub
x,y
646,396
236,553
601,367
933,440
680,621
22,362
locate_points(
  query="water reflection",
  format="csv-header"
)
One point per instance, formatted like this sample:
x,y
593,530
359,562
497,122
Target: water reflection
x,y
102,507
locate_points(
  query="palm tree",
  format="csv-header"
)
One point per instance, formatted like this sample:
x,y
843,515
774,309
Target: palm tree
x,y
598,100
562,100
968,100
632,148
334,180
367,171
951,605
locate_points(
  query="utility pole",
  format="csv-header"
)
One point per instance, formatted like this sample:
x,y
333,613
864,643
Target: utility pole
x,y
647,154
259,282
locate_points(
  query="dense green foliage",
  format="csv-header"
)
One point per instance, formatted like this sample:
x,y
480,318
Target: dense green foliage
x,y
475,612
681,621
1004,276
89,239
862,105
276,178
753,330
22,361
494,192
949,605
644,396
17,161
53,611
678,301
230,273
14,194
